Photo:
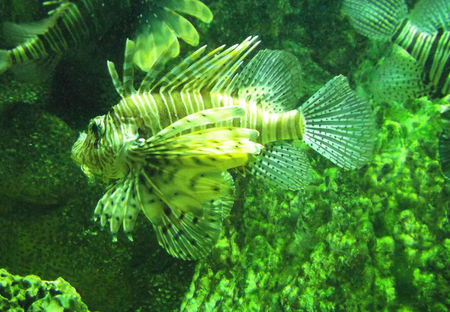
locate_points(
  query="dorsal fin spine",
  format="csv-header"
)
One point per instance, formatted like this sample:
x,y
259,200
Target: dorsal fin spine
x,y
177,71
221,84
115,78
214,70
195,67
128,69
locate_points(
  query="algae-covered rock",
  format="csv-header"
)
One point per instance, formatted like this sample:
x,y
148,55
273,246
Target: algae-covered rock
x,y
31,294
370,239
35,163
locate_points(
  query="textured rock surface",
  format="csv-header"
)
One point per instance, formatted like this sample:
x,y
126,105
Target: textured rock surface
x,y
30,293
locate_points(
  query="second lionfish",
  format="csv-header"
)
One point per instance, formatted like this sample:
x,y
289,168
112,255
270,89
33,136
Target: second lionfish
x,y
419,62
69,24
166,148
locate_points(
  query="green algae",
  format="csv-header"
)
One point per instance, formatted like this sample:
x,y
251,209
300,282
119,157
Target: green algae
x,y
368,240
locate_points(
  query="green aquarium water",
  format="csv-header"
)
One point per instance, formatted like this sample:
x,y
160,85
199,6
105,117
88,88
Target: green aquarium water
x,y
187,155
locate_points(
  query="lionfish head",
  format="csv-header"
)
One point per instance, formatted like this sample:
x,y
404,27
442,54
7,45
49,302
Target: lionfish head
x,y
92,152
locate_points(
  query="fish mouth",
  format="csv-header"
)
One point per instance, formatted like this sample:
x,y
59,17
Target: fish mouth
x,y
77,149
79,155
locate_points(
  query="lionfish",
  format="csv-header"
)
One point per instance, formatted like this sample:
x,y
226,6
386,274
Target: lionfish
x,y
419,62
69,24
166,148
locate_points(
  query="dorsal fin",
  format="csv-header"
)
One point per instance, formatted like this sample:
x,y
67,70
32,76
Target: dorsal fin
x,y
158,43
15,34
157,67
125,87
213,70
194,8
176,75
271,79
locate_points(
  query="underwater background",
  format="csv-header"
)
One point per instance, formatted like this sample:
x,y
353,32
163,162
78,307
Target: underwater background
x,y
373,239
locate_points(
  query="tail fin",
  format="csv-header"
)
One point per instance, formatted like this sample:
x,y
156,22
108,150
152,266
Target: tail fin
x,y
398,78
5,61
339,124
376,19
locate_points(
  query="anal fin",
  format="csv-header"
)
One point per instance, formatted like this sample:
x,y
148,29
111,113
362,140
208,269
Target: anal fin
x,y
398,78
283,165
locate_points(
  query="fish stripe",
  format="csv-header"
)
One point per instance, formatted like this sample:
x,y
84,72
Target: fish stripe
x,y
432,51
154,118
172,108
68,30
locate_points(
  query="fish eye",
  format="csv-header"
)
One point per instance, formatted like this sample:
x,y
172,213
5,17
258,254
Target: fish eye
x,y
95,128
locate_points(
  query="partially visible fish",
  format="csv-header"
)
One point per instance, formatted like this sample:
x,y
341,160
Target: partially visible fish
x,y
165,148
419,63
65,28
70,23
163,27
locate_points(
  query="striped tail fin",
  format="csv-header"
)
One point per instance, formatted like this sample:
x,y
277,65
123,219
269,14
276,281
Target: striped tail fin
x,y
339,124
5,61
376,19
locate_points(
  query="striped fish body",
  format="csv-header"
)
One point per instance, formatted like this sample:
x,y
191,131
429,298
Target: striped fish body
x,y
165,148
65,28
423,68
154,111
432,52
